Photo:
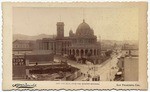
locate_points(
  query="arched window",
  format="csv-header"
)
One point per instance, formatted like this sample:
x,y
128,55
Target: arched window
x,y
73,52
86,52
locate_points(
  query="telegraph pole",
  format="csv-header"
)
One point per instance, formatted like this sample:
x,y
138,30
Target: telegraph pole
x,y
110,70
100,41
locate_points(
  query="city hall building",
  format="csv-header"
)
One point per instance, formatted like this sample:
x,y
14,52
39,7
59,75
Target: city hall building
x,y
79,46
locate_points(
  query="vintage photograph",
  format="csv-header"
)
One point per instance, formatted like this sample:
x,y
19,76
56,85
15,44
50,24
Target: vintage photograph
x,y
75,44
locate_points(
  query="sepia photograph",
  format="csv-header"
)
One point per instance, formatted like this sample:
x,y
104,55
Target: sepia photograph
x,y
75,45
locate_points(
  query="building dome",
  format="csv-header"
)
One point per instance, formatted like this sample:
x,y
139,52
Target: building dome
x,y
84,29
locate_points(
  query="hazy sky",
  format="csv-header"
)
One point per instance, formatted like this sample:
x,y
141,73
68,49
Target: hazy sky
x,y
109,23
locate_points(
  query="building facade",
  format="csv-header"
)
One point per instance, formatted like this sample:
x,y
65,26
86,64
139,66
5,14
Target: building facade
x,y
130,50
80,45
23,46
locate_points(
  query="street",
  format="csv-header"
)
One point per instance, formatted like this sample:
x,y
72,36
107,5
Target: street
x,y
106,70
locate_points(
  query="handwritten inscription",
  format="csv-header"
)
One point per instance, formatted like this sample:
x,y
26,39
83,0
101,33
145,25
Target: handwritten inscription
x,y
18,85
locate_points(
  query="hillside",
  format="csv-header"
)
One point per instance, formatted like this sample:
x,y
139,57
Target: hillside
x,y
26,37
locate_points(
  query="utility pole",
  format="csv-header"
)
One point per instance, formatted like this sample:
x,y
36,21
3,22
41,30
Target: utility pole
x,y
100,48
94,69
100,41
110,70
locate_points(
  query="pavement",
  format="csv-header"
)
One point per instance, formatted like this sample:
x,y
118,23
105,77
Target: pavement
x,y
81,78
106,70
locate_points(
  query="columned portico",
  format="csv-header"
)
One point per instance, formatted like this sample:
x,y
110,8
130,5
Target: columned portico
x,y
79,52
82,52
93,52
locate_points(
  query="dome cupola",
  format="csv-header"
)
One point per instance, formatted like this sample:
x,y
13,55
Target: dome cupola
x,y
84,30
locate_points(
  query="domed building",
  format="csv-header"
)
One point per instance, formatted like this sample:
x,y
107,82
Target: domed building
x,y
80,46
84,44
84,30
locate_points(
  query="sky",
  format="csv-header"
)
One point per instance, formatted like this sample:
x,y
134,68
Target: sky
x,y
111,23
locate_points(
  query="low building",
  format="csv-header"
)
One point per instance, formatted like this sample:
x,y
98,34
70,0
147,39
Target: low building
x,y
130,50
42,67
18,68
131,69
23,46
128,69
20,63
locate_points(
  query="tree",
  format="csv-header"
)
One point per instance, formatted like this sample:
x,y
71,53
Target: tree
x,y
108,53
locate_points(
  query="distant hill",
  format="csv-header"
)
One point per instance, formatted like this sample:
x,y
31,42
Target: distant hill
x,y
26,37
109,44
112,42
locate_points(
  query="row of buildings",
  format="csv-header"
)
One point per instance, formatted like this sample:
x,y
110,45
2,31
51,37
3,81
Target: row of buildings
x,y
42,67
82,44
